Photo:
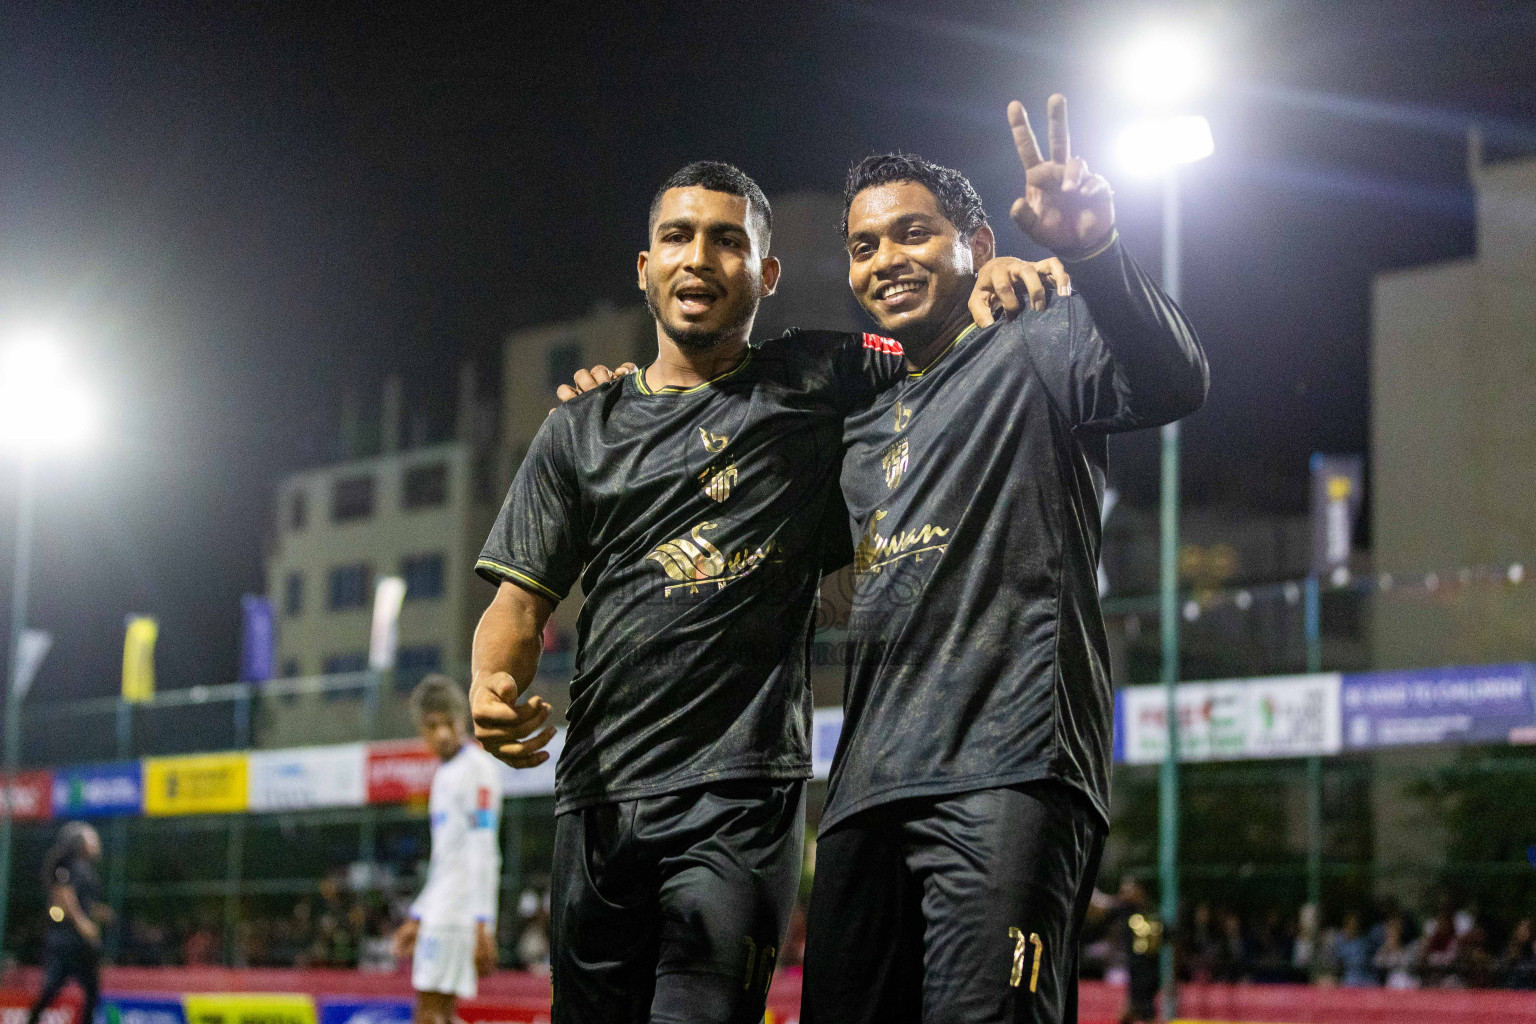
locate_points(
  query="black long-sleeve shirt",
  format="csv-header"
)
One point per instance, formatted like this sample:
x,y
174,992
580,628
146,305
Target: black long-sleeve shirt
x,y
977,653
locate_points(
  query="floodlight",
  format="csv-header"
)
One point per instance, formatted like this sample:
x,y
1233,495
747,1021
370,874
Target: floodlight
x,y
1157,144
1163,67
42,408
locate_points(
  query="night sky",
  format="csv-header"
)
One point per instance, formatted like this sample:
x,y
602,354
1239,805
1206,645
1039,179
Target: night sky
x,y
231,211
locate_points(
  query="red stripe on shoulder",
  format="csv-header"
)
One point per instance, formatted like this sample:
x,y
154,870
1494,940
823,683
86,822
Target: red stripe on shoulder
x,y
890,346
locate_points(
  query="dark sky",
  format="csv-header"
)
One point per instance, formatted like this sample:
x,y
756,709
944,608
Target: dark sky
x,y
231,211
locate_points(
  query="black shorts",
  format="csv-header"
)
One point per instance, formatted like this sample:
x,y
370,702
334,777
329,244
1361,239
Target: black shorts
x,y
671,908
961,908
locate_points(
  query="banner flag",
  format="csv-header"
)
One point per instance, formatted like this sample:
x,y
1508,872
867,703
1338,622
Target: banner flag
x,y
139,659
34,647
1338,488
385,637
257,639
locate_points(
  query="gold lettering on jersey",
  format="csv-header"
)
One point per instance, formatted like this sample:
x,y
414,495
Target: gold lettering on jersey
x,y
902,418
876,551
693,561
713,443
894,462
717,481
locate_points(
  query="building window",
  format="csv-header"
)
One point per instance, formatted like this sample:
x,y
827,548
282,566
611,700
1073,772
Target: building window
x,y
411,663
352,498
291,668
344,664
298,511
423,575
293,594
349,587
562,363
426,486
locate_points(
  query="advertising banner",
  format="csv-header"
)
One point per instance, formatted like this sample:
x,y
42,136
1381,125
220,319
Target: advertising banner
x,y
140,634
826,727
1338,489
1474,704
365,1011
195,784
98,790
258,639
476,1012
537,781
399,771
1281,716
119,1009
302,777
249,1008
14,1004
30,795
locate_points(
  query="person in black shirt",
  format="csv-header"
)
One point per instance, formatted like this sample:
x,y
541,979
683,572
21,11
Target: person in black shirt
x,y
692,501
76,913
968,798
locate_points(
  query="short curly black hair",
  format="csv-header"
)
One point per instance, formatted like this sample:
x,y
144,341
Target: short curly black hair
x,y
718,176
956,195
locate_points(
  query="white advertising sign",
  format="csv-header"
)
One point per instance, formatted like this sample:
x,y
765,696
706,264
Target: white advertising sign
x,y
1281,716
304,777
536,781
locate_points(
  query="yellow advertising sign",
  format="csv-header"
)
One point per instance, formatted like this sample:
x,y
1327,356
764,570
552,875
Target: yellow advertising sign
x,y
197,784
249,1008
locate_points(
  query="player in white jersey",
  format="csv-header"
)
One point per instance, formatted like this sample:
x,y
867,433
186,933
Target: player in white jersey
x,y
452,928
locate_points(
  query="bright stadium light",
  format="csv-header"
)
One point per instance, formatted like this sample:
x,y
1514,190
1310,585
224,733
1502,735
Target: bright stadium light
x,y
1160,144
43,408
1163,67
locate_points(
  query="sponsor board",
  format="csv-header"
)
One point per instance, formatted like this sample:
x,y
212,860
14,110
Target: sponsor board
x,y
14,1006
504,1013
1475,704
98,790
195,784
399,771
365,1011
249,1008
30,795
303,777
1283,716
117,1009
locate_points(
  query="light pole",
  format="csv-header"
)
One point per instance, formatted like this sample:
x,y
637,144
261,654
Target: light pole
x,y
1164,69
41,410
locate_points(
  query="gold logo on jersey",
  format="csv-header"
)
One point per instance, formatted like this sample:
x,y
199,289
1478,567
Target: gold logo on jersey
x,y
713,443
1021,945
717,481
693,561
874,551
903,417
894,462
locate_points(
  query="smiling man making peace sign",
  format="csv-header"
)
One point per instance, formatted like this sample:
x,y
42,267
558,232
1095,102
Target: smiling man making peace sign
x,y
968,799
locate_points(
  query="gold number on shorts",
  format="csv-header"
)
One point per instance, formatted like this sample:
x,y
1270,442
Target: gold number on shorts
x,y
1021,944
759,967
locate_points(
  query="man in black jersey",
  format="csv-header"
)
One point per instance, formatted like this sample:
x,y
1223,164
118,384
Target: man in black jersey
x,y
691,500
968,798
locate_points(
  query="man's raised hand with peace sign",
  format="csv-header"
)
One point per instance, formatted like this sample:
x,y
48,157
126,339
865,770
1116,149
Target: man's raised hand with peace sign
x,y
1065,207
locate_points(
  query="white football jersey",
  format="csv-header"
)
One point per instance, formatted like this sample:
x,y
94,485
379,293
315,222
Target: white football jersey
x,y
465,872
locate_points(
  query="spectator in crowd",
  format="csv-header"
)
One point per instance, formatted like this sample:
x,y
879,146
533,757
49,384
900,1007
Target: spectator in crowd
x,y
1305,960
1474,966
1396,956
1352,950
1204,945
1232,950
1517,968
1437,952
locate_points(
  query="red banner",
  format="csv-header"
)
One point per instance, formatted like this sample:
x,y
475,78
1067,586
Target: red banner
x,y
14,1006
399,771
30,795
